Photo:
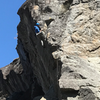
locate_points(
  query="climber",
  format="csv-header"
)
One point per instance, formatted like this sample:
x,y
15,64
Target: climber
x,y
40,33
37,28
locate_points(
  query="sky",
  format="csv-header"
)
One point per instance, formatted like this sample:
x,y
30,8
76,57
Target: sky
x,y
8,30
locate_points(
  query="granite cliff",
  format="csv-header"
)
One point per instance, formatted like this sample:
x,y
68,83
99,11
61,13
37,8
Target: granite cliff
x,y
65,65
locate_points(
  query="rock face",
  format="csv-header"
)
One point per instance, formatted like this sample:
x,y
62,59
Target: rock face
x,y
64,63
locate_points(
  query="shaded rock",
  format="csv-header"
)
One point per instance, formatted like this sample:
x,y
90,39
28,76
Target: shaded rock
x,y
86,94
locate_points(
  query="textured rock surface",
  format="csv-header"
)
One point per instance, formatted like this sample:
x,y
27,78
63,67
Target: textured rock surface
x,y
68,58
80,53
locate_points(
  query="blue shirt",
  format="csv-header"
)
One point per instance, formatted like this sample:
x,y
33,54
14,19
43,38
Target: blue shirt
x,y
37,30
